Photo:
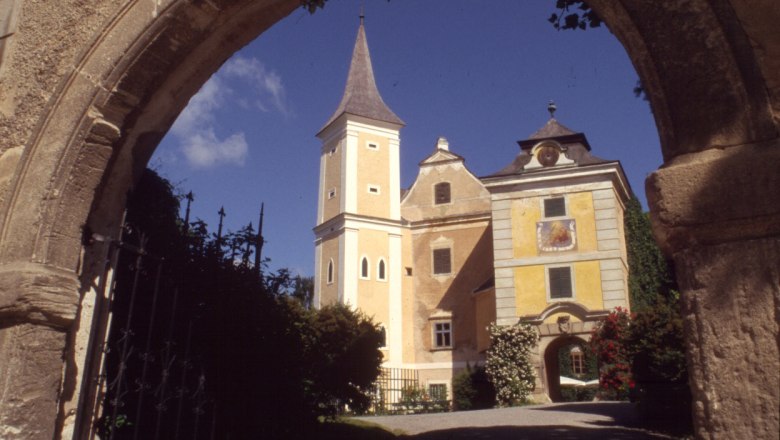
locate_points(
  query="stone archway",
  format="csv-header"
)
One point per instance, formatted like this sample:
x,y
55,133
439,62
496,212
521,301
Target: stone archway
x,y
552,367
88,88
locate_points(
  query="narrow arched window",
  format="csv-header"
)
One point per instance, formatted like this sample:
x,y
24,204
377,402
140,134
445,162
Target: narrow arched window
x,y
380,270
364,268
330,271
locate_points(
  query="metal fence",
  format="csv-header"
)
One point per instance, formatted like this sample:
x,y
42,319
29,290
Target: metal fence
x,y
391,387
152,382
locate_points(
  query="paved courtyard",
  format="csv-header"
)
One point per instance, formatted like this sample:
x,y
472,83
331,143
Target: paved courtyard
x,y
586,420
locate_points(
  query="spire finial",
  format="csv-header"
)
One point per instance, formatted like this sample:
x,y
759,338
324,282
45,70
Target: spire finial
x,y
551,108
362,13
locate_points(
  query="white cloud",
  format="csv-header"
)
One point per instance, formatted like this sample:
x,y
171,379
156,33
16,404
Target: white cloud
x,y
194,128
204,150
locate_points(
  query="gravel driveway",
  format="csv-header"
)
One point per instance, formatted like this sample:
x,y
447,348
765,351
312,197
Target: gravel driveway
x,y
586,420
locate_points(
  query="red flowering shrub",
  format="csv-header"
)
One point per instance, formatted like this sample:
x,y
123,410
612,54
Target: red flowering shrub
x,y
608,344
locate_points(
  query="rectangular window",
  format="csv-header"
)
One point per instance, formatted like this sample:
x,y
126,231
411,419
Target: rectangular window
x,y
373,146
331,193
442,264
560,282
373,189
441,193
408,271
437,391
555,207
577,362
442,334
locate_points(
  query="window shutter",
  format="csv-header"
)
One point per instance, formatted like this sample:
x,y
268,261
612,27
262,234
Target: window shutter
x,y
555,207
442,193
560,282
441,261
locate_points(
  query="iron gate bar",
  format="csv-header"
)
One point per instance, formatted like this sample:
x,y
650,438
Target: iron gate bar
x,y
126,337
147,351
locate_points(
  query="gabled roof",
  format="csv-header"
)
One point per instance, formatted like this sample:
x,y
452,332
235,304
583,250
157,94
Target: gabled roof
x,y
439,156
361,96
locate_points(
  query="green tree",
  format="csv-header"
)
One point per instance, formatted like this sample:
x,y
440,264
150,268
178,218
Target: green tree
x,y
471,389
343,358
651,276
303,290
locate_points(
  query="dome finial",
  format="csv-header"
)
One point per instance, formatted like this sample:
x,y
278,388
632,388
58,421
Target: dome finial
x,y
551,108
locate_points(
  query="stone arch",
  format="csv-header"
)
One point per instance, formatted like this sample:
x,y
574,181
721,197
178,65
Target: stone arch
x,y
104,82
552,368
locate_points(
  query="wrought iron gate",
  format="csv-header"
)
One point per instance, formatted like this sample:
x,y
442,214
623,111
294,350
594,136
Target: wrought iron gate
x,y
152,381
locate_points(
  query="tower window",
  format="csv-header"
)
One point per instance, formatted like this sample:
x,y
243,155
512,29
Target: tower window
x,y
408,271
330,272
331,193
373,189
372,146
442,261
442,334
383,335
364,268
555,207
441,193
380,271
560,284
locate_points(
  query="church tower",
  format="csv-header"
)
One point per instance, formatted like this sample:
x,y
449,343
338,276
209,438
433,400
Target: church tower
x,y
358,237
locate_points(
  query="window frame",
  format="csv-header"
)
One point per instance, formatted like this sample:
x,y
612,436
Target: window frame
x,y
577,359
438,185
548,283
565,206
381,269
433,261
445,334
365,264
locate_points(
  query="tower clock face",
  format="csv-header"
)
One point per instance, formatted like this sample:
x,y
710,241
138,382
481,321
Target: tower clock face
x,y
548,155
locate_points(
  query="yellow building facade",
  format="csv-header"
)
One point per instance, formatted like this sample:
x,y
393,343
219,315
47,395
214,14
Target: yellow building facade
x,y
540,241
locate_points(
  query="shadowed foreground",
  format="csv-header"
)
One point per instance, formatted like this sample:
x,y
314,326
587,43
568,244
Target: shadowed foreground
x,y
600,420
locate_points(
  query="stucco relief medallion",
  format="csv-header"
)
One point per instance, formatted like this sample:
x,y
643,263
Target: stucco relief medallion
x,y
556,236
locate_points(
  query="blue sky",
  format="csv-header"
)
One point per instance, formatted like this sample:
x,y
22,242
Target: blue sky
x,y
479,76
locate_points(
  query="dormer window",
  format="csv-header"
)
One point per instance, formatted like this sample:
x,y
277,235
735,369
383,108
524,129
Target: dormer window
x,y
441,193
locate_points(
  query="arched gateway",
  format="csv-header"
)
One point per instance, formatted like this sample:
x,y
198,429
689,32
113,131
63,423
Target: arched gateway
x,y
88,88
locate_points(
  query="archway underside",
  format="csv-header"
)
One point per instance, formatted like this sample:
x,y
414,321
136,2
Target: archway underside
x,y
89,88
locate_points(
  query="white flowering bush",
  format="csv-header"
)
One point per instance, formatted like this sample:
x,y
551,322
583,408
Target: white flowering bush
x,y
508,363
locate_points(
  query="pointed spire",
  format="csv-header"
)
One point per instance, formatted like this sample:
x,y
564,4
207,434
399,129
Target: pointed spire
x,y
361,96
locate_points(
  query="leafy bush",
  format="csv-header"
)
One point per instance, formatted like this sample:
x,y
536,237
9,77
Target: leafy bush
x,y
608,344
658,364
415,399
471,389
509,362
